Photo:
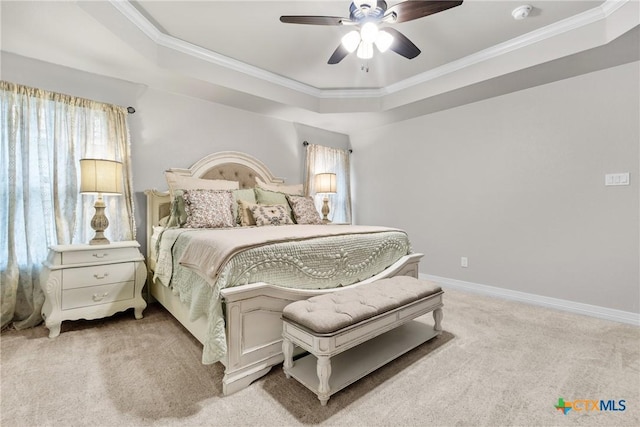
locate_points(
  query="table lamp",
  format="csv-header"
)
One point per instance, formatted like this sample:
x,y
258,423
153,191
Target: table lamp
x,y
325,183
100,177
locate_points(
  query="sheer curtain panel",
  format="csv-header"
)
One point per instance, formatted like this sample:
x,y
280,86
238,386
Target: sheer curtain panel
x,y
43,136
321,159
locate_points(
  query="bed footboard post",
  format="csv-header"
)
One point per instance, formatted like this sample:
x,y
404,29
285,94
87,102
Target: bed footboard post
x,y
411,268
254,335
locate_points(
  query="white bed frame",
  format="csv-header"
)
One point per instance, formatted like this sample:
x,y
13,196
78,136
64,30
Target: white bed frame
x,y
253,312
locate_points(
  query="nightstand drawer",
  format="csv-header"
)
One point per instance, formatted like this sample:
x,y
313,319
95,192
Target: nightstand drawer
x,y
99,255
81,277
94,295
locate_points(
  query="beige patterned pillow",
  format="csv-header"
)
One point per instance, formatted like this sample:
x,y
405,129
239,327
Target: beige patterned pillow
x,y
247,195
270,215
304,210
244,213
208,208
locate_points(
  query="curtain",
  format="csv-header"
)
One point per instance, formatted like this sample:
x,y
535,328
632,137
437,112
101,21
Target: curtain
x,y
43,135
321,159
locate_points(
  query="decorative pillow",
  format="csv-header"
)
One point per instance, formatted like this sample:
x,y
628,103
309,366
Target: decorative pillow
x,y
179,182
246,195
244,213
296,190
304,210
270,215
178,214
267,197
208,208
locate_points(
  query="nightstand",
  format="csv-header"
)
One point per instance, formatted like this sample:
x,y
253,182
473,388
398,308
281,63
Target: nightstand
x,y
91,282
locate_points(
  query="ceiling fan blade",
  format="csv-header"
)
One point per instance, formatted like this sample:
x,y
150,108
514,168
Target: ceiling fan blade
x,y
338,55
410,10
402,45
312,20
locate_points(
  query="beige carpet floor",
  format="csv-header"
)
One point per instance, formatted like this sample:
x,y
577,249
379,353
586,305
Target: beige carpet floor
x,y
498,363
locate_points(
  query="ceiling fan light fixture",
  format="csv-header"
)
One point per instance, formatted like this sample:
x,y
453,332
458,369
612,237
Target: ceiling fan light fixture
x,y
366,16
351,40
365,50
383,41
369,32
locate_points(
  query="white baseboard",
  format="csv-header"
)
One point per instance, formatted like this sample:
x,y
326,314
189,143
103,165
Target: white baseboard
x,y
556,303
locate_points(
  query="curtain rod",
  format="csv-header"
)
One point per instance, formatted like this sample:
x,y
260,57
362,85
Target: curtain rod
x,y
131,110
305,143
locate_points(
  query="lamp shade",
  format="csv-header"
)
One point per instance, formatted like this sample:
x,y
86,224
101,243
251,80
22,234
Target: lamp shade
x,y
100,176
351,40
369,32
326,183
365,50
384,41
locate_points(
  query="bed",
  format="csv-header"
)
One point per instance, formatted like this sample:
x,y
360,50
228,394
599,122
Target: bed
x,y
249,311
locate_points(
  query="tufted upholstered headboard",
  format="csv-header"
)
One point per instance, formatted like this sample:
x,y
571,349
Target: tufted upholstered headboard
x,y
245,175
228,165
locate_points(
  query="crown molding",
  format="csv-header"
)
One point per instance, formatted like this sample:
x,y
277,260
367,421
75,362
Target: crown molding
x,y
168,41
569,24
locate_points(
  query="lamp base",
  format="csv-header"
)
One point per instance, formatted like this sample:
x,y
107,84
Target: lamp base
x,y
99,223
325,210
99,239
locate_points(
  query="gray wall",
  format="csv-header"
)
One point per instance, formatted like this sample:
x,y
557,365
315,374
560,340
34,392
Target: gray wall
x,y
516,184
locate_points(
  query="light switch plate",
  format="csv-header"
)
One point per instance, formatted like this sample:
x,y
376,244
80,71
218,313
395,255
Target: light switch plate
x,y
617,179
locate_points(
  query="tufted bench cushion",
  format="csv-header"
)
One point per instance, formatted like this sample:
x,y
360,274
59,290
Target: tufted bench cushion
x,y
325,314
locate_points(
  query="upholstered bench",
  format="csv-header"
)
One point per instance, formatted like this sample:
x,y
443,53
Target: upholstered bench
x,y
352,332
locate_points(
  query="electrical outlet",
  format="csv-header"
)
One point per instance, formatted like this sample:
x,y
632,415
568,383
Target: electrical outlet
x,y
464,262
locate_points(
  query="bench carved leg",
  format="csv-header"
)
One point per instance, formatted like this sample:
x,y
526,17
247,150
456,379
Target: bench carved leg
x,y
323,368
437,318
287,350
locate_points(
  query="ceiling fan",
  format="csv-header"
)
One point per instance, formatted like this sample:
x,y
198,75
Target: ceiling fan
x,y
367,16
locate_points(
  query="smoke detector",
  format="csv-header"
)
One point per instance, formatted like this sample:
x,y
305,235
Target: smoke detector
x,y
521,12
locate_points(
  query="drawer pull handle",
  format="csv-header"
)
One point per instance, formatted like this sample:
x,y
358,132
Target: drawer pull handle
x,y
97,276
100,255
97,297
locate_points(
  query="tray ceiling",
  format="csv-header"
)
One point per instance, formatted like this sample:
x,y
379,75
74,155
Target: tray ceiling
x,y
238,52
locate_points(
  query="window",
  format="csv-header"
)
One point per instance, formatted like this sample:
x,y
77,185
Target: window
x,y
321,159
42,138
